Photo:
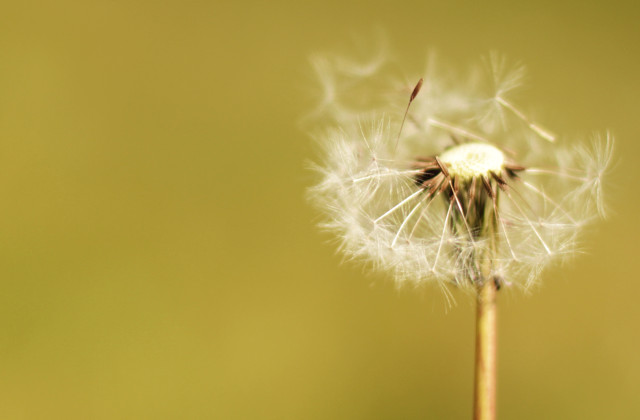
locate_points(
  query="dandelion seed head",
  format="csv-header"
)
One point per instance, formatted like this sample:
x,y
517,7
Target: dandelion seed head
x,y
471,188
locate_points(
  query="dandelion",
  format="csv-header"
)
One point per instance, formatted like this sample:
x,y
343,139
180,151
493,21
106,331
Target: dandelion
x,y
450,182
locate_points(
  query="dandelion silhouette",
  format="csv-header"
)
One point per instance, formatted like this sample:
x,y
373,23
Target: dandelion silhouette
x,y
445,182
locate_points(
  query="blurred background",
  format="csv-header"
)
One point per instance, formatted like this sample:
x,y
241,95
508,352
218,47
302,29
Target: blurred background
x,y
158,259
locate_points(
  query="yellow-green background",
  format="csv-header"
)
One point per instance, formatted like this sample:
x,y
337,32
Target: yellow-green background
x,y
158,259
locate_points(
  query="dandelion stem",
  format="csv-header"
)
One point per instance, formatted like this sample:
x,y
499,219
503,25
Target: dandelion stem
x,y
484,398
484,403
